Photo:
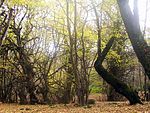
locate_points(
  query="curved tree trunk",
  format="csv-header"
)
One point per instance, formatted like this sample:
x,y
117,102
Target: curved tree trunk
x,y
118,85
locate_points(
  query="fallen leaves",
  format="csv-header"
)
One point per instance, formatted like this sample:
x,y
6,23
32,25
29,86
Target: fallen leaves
x,y
100,107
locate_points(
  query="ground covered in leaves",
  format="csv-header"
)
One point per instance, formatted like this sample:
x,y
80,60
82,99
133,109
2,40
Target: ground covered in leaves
x,y
100,107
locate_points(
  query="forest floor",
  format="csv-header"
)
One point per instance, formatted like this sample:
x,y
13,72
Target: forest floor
x,y
99,107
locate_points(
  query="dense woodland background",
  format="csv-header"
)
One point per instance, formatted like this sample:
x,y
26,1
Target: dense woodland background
x,y
48,50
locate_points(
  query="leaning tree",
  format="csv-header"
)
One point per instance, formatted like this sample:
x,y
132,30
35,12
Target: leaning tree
x,y
110,78
131,22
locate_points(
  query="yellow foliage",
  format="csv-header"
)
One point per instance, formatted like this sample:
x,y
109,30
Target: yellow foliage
x,y
29,3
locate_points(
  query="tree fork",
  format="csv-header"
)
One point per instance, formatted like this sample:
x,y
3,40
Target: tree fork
x,y
131,22
118,85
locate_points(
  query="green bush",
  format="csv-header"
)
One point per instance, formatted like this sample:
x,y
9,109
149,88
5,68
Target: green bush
x,y
95,89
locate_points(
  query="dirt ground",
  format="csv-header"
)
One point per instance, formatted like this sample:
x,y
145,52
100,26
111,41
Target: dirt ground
x,y
100,107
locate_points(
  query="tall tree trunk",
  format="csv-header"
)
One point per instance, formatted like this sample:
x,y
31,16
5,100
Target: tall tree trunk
x,y
29,73
66,98
73,52
22,90
136,37
5,29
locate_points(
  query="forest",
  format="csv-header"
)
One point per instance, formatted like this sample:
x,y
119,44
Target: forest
x,y
72,56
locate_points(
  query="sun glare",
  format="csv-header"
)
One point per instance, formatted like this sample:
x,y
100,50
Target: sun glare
x,y
144,7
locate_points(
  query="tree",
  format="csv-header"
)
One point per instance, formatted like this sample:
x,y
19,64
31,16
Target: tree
x,y
131,22
118,85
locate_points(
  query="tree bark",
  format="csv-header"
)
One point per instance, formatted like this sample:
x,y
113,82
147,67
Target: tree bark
x,y
118,85
4,33
29,73
136,37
